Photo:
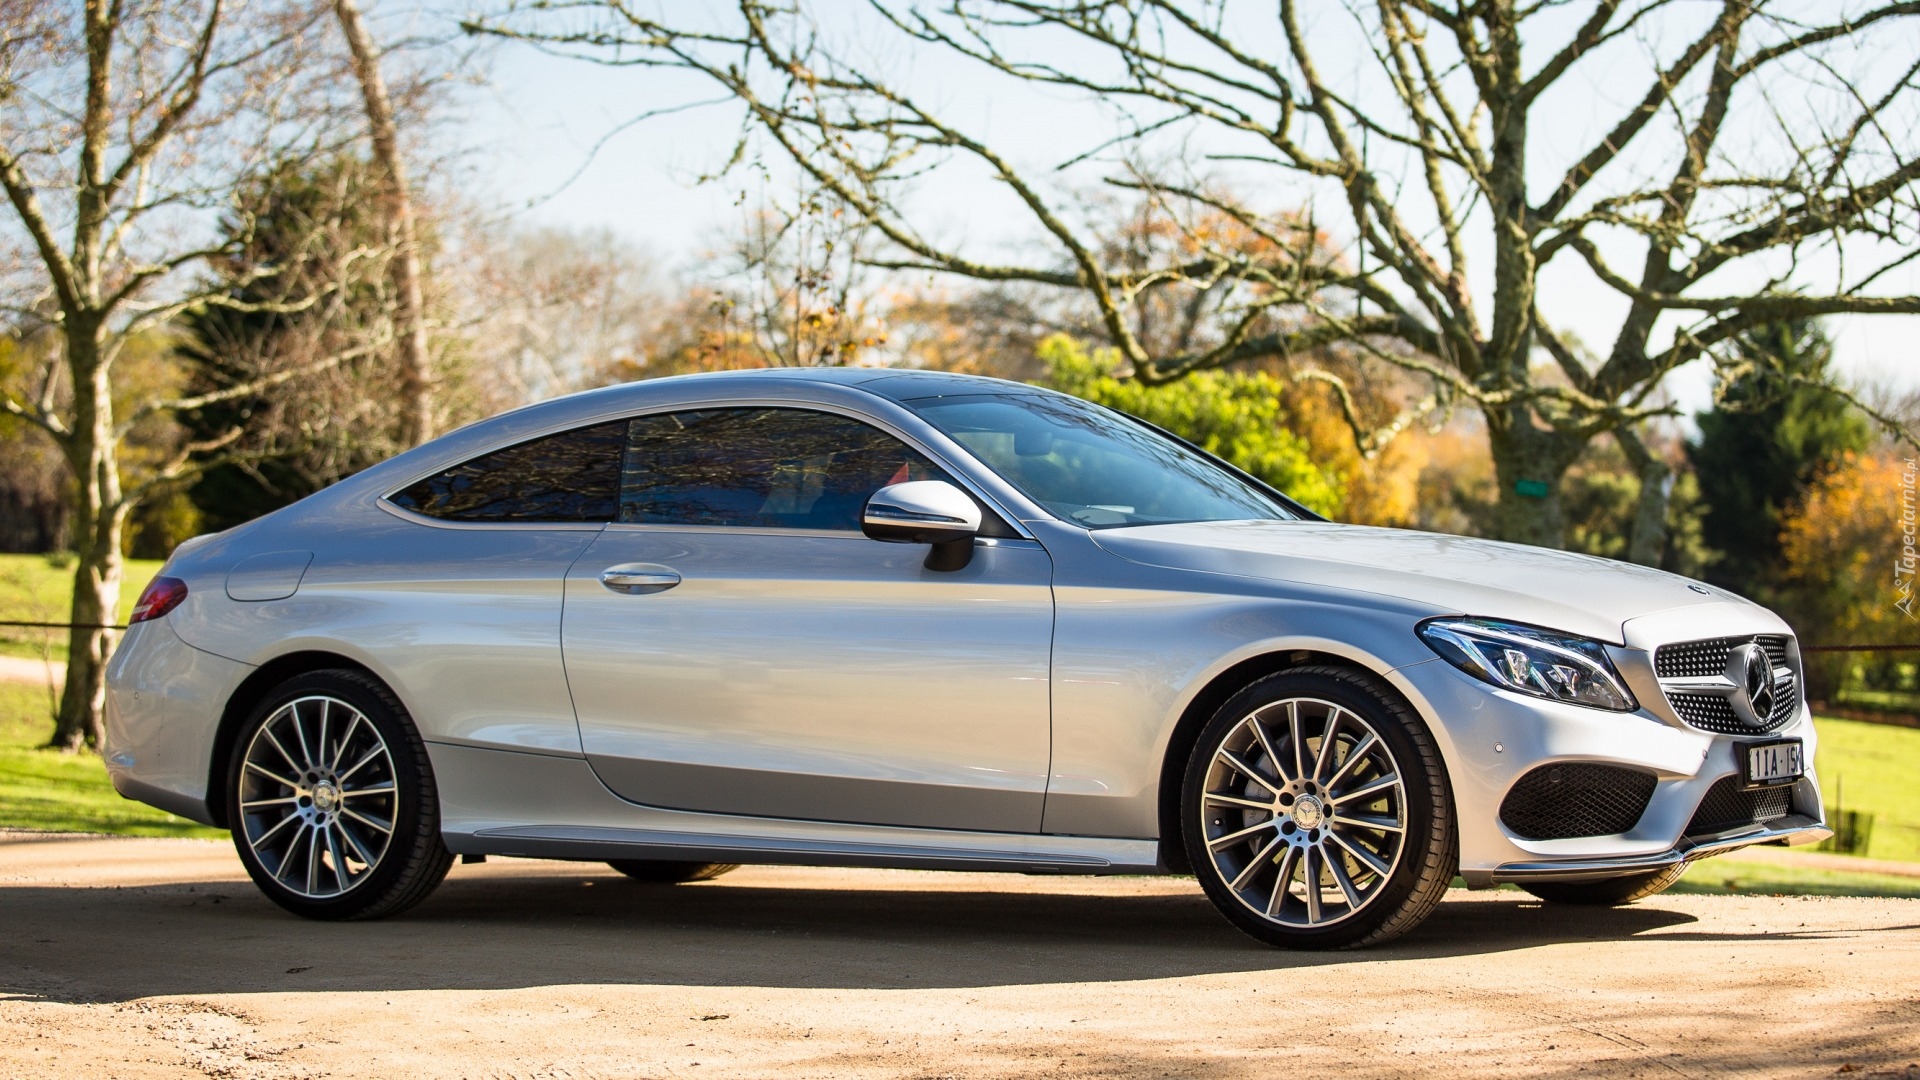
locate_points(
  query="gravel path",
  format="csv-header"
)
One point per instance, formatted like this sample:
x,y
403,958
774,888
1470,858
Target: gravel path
x,y
154,958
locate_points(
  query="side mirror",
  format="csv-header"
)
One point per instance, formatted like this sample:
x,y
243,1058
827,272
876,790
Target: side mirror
x,y
925,512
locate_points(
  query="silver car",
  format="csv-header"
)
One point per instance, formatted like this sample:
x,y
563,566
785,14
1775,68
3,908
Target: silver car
x,y
908,619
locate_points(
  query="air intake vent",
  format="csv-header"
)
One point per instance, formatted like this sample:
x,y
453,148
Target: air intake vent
x,y
1559,802
1727,806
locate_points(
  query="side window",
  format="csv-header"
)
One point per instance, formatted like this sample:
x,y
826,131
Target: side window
x,y
572,476
760,468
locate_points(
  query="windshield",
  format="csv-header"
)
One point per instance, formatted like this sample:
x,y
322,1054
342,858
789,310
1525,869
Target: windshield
x,y
1092,466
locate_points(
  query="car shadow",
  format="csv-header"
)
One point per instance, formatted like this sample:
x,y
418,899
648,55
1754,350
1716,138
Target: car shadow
x,y
576,928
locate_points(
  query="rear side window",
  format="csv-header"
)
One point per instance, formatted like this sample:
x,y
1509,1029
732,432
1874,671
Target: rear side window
x,y
570,477
760,468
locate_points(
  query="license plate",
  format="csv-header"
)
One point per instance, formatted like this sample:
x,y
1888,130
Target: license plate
x,y
1774,763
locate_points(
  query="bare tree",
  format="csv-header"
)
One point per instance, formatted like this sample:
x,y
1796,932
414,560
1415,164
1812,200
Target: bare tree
x,y
410,327
1763,168
126,128
543,311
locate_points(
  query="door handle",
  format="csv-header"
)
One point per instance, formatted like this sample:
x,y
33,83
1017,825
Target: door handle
x,y
639,580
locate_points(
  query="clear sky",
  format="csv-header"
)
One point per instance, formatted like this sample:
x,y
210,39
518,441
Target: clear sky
x,y
542,116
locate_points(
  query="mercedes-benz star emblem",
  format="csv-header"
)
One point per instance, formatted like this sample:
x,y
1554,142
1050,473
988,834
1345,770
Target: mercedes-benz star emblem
x,y
1751,671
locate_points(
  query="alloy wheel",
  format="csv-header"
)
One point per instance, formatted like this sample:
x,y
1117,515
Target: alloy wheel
x,y
1304,813
318,796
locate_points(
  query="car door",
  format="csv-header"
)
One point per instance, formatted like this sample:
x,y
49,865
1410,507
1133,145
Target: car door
x,y
735,645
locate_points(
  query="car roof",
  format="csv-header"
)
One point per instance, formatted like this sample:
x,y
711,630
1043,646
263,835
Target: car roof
x,y
900,384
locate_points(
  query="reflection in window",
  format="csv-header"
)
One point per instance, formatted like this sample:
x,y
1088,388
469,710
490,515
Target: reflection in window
x,y
569,477
760,468
1092,466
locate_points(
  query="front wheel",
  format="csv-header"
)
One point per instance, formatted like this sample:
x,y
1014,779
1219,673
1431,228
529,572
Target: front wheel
x,y
332,801
1608,892
1316,812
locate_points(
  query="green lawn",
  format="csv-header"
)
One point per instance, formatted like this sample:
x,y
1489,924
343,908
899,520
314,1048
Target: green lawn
x,y
32,589
1906,701
46,789
1729,874
1874,768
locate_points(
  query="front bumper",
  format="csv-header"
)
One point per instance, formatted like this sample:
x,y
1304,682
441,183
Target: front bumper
x,y
1491,739
1793,829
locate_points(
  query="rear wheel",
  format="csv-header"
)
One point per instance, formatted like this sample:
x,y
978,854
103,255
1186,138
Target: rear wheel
x,y
332,801
1610,892
1316,814
661,872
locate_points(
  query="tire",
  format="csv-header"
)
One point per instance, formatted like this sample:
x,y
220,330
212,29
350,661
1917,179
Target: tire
x,y
1609,892
322,766
661,872
1259,827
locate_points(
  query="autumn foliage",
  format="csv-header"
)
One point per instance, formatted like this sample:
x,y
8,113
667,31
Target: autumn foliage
x,y
1845,579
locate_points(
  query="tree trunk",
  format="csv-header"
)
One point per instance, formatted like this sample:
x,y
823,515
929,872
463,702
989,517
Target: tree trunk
x,y
97,532
1529,464
1648,540
408,316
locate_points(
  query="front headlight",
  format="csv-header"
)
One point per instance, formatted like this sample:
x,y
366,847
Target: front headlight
x,y
1530,660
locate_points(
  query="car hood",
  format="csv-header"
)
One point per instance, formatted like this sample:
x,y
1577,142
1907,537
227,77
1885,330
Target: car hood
x,y
1578,594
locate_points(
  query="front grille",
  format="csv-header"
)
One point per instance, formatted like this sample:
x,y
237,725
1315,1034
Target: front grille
x,y
1559,802
1713,712
1727,806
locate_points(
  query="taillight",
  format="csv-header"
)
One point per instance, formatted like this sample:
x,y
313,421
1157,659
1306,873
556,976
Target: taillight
x,y
161,595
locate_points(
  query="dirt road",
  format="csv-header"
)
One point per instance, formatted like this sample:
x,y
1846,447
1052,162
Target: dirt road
x,y
154,958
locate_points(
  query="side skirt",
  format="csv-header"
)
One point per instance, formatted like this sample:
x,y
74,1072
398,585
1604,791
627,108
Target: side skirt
x,y
499,802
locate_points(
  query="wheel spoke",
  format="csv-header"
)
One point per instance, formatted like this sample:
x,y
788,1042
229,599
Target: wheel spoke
x,y
378,750
267,730
313,861
384,788
1253,865
300,736
1329,741
1235,800
339,864
248,804
275,777
1363,821
346,737
359,849
286,857
1371,789
1340,878
1266,746
261,841
369,822
1368,858
1278,896
1310,877
1247,770
1293,737
326,714
1354,757
1235,837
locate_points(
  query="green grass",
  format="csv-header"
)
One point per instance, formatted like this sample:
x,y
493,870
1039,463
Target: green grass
x,y
46,789
1729,875
33,589
1901,701
1874,768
